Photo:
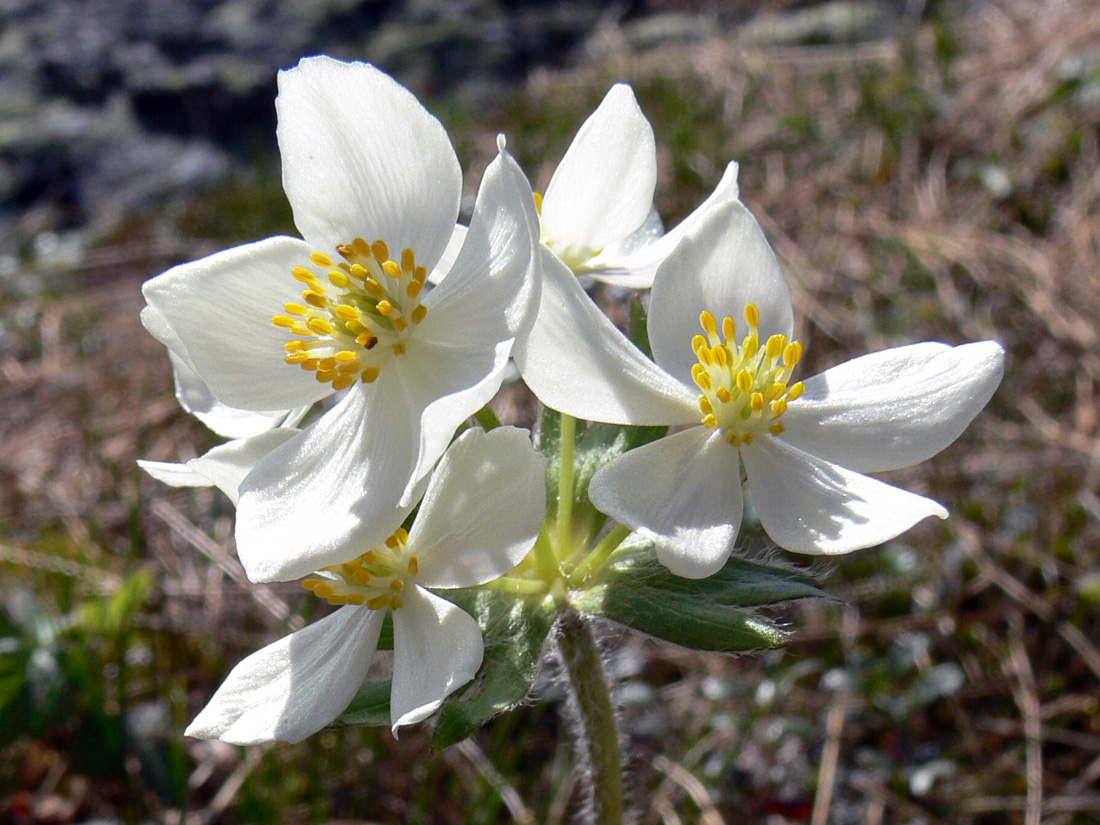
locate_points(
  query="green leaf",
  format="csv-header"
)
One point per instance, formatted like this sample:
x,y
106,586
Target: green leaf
x,y
371,706
704,614
639,326
515,628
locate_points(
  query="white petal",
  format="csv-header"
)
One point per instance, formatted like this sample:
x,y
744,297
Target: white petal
x,y
491,290
174,475
332,492
811,506
450,255
482,511
220,308
723,263
576,361
683,492
294,687
634,267
894,408
437,648
441,389
228,464
603,188
362,158
195,397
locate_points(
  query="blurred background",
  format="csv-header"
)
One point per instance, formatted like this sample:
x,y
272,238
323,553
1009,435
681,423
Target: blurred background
x,y
925,170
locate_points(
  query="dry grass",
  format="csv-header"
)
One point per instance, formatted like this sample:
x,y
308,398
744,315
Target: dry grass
x,y
940,186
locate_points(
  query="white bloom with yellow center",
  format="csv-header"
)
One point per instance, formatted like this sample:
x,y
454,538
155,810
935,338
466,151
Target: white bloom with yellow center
x,y
479,517
277,325
597,215
721,330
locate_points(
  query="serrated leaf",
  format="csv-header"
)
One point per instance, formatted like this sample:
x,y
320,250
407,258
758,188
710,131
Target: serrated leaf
x,y
371,706
514,629
704,614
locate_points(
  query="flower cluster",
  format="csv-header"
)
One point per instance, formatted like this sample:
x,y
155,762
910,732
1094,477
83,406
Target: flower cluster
x,y
388,325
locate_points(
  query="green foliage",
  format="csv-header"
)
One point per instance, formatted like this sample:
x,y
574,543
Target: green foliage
x,y
704,614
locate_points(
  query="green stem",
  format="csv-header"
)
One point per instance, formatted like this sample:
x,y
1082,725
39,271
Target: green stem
x,y
600,553
564,537
545,560
510,584
487,418
599,736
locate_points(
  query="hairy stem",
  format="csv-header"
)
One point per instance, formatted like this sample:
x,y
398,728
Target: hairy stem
x,y
598,736
600,553
564,537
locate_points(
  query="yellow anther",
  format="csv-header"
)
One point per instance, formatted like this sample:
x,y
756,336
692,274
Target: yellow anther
x,y
320,326
710,422
359,271
698,342
752,315
733,439
748,438
706,321
408,260
346,312
294,346
723,395
338,278
779,406
386,308
361,247
321,259
324,376
396,601
397,585
378,602
705,356
370,375
756,401
414,288
750,345
729,329
538,202
356,598
283,321
361,576
777,428
326,364
719,354
400,324
704,406
796,391
299,328
350,368
312,584
775,346
392,269
701,376
295,309
343,356
366,340
310,364
302,274
775,390
402,535
324,589
420,275
414,566
792,354
315,299
399,348
419,314
744,380
374,289
379,250
342,382
295,357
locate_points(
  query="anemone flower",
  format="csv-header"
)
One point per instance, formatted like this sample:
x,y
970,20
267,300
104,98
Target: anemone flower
x,y
277,325
597,213
480,515
721,327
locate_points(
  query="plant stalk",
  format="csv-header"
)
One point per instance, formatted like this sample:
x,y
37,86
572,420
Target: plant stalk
x,y
598,737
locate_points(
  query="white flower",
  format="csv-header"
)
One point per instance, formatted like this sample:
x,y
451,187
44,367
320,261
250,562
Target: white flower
x,y
479,517
276,325
804,447
597,213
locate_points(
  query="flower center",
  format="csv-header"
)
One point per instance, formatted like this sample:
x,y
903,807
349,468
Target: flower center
x,y
574,257
356,313
745,388
375,579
